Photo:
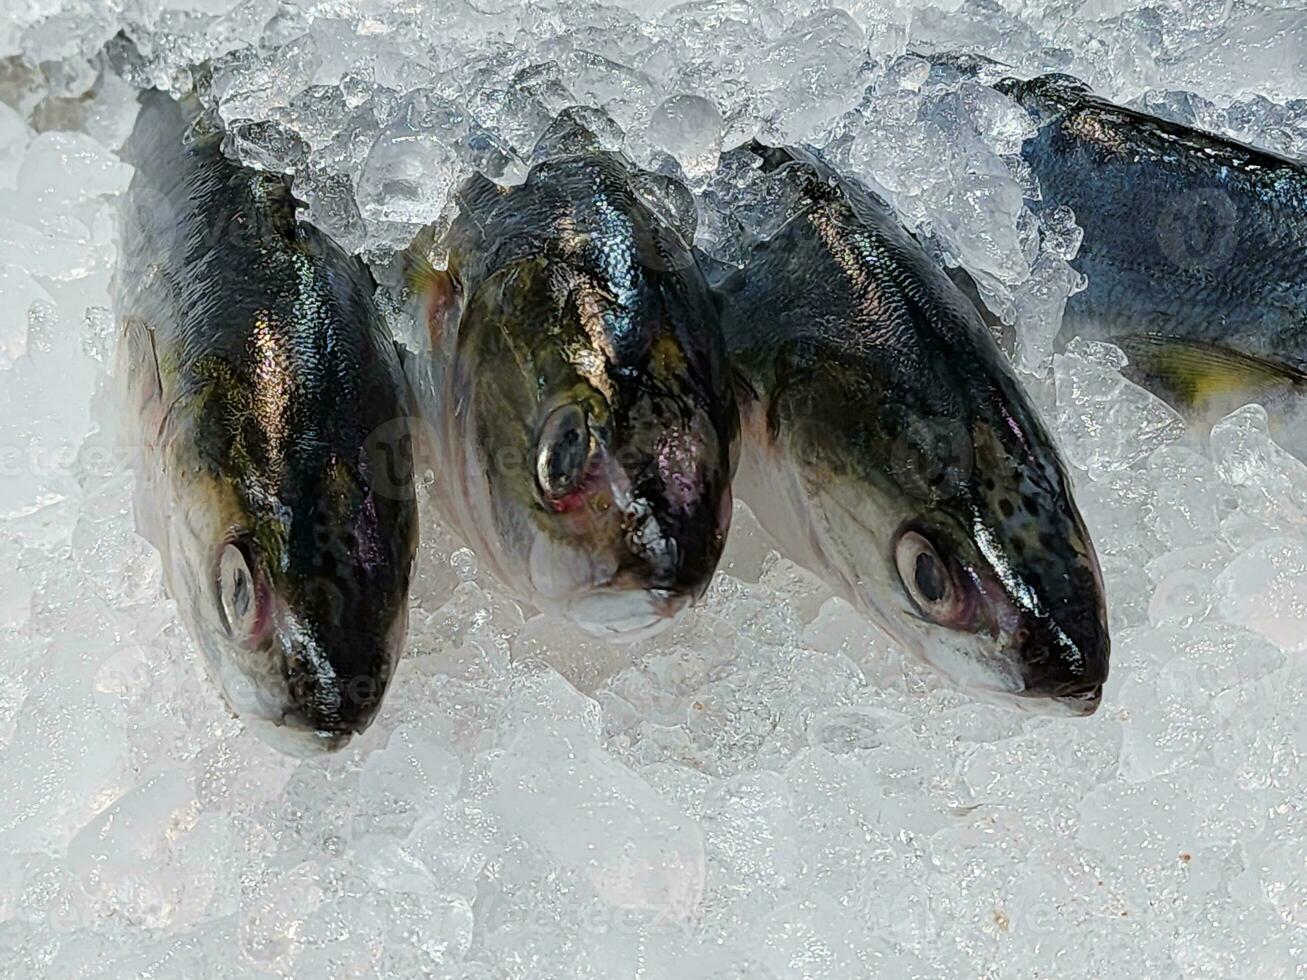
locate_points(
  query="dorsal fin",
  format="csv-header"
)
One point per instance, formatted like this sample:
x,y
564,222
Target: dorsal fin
x,y
722,277
478,192
275,205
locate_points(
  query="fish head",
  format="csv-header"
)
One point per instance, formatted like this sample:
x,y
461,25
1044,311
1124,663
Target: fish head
x,y
925,485
297,592
997,580
596,466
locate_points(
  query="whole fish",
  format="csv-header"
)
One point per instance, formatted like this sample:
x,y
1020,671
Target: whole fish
x,y
1194,250
578,393
267,402
890,449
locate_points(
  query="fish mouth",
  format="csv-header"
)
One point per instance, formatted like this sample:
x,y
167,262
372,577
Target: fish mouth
x,y
626,614
1002,685
290,729
298,708
1065,674
292,734
1081,704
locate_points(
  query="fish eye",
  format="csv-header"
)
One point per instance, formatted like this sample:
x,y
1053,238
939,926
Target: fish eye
x,y
236,591
926,578
563,451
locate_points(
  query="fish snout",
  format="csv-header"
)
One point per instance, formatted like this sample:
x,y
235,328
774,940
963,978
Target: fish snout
x,y
1068,665
336,685
675,549
1083,703
329,703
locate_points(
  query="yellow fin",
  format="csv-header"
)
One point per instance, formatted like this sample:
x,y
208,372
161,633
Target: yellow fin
x,y
1207,381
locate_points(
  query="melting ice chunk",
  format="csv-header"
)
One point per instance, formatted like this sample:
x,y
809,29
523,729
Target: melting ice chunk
x,y
689,127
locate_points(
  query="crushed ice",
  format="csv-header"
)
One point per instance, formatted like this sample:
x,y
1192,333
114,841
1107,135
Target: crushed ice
x,y
768,791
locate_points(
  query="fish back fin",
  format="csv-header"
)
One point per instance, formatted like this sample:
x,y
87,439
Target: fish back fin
x,y
820,184
419,400
772,157
578,129
775,157
1206,381
164,123
161,123
434,291
138,364
276,207
745,390
1045,96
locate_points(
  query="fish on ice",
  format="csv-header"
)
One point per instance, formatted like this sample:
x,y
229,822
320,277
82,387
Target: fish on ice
x,y
267,408
1194,252
889,448
578,393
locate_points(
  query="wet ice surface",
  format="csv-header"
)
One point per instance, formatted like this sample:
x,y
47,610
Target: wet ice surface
x,y
769,790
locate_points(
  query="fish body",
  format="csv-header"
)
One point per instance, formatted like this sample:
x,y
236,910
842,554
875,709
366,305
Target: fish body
x,y
1194,251
266,403
578,394
889,448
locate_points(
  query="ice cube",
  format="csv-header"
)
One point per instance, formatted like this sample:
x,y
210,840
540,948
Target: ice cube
x,y
273,914
561,792
1039,308
151,857
414,774
751,836
815,937
813,69
689,127
69,762
1104,422
1270,485
406,181
1265,590
247,85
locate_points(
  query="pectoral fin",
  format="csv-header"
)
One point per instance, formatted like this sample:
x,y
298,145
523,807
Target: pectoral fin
x,y
435,290
138,361
723,277
669,199
1206,381
142,382
420,399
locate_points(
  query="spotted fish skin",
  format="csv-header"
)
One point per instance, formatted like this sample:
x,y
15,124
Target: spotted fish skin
x,y
267,405
579,396
1194,250
881,414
